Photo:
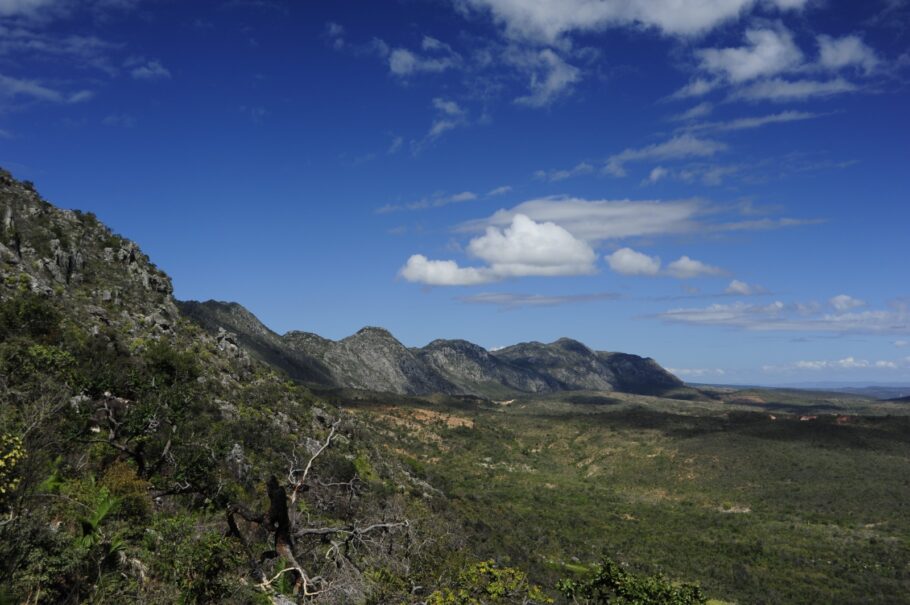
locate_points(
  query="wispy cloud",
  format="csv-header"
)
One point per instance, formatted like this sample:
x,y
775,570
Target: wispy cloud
x,y
755,121
599,220
508,301
679,147
434,201
33,90
560,175
781,317
150,70
434,56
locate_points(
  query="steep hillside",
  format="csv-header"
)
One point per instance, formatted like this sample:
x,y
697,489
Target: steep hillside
x,y
258,340
143,460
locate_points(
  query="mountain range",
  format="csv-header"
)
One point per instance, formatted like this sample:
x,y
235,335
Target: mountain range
x,y
373,359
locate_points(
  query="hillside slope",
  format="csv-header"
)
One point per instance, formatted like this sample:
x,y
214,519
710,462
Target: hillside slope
x,y
144,460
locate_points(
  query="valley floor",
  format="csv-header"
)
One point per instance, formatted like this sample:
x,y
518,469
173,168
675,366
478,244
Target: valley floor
x,y
761,497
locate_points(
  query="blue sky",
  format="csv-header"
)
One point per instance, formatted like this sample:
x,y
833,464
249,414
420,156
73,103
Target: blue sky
x,y
722,185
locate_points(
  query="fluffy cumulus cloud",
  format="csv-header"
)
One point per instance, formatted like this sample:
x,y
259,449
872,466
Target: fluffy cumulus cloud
x,y
627,261
530,248
420,269
524,248
547,21
688,268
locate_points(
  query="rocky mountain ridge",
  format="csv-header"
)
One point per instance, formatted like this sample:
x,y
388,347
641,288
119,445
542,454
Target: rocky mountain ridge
x,y
373,359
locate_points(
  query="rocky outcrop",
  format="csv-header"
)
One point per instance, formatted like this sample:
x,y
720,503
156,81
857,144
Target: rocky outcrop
x,y
372,359
70,255
566,363
480,372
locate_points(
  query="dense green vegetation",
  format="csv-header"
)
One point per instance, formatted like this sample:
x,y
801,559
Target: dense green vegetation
x,y
128,473
756,507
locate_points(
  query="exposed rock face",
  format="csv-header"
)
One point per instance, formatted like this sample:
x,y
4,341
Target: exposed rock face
x,y
480,372
372,359
71,255
570,365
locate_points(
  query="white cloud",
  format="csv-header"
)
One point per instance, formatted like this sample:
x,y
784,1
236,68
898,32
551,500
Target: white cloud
x,y
561,175
657,174
843,302
546,21
421,270
13,88
848,51
901,343
447,107
395,145
741,288
598,220
25,8
551,78
440,57
435,201
530,248
793,318
847,363
507,300
698,111
696,88
767,52
755,122
499,191
151,70
777,89
525,248
449,116
687,268
629,262
697,372
601,219
679,147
